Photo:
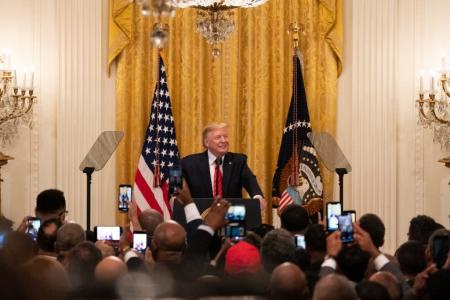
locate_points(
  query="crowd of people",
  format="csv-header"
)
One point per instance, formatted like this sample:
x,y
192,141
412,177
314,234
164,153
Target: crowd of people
x,y
194,262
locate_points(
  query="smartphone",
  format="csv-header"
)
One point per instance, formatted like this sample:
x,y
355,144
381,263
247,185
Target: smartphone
x,y
334,209
236,213
346,228
140,241
175,180
235,231
350,212
33,227
300,241
125,191
440,250
108,233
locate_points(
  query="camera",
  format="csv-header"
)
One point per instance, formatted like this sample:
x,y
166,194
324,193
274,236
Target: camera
x,y
300,241
140,241
175,180
235,229
33,227
334,210
346,228
125,191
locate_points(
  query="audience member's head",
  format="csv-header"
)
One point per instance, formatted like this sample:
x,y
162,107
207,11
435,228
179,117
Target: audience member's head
x,y
294,218
411,257
149,219
50,204
169,242
46,236
242,258
262,229
389,281
46,279
438,246
253,239
68,236
288,282
81,262
353,262
375,227
334,287
277,247
370,290
105,248
110,269
421,228
18,248
315,239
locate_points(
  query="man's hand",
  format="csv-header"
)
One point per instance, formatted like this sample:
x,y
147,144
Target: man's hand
x,y
216,215
334,244
24,224
262,204
275,201
133,216
184,195
420,282
364,241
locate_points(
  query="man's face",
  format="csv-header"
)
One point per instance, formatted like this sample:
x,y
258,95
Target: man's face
x,y
217,141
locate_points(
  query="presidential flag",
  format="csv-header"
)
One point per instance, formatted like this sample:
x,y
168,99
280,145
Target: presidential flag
x,y
297,175
159,153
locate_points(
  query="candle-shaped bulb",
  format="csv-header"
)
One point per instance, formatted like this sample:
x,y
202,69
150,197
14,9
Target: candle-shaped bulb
x,y
421,83
24,85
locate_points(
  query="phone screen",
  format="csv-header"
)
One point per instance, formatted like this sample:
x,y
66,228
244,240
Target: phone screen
x,y
33,227
300,241
125,191
236,213
140,241
352,213
175,180
334,210
2,238
235,231
440,250
108,233
346,228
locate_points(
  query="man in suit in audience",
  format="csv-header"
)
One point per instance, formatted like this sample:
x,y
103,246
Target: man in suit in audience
x,y
217,172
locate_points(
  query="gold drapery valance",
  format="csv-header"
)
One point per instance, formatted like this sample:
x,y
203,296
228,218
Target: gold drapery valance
x,y
248,86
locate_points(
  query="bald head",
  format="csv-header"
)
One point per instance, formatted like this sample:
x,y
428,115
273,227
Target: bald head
x,y
334,287
149,219
169,238
389,281
109,269
288,282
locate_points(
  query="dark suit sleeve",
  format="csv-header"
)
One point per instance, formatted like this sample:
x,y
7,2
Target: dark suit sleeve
x,y
249,181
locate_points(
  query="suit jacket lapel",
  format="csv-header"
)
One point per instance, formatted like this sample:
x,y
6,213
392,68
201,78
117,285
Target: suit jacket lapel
x,y
227,168
205,173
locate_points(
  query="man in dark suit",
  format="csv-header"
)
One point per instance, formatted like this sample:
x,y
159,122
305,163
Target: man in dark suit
x,y
217,172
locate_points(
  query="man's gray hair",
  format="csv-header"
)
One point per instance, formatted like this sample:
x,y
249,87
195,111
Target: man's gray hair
x,y
68,236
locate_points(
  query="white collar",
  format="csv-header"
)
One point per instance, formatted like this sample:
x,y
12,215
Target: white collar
x,y
212,158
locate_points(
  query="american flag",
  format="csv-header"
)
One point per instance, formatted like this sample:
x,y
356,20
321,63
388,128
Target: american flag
x,y
159,153
297,176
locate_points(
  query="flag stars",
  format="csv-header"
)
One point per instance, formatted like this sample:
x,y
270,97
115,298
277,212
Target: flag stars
x,y
165,141
166,117
159,127
149,139
171,142
166,105
171,153
170,164
162,81
161,93
164,152
147,151
167,94
160,104
165,129
163,69
156,151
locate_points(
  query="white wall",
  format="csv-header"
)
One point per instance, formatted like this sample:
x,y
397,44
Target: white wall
x,y
395,170
66,41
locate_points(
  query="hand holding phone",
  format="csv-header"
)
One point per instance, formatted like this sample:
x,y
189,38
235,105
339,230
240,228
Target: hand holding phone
x,y
108,233
125,191
334,209
140,241
346,228
33,226
175,180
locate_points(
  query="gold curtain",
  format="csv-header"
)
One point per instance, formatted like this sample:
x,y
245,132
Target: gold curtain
x,y
248,86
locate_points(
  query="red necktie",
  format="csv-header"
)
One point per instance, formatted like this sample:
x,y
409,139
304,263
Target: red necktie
x,y
218,179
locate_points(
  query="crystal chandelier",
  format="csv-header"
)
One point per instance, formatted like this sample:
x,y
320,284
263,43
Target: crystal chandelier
x,y
215,18
16,102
